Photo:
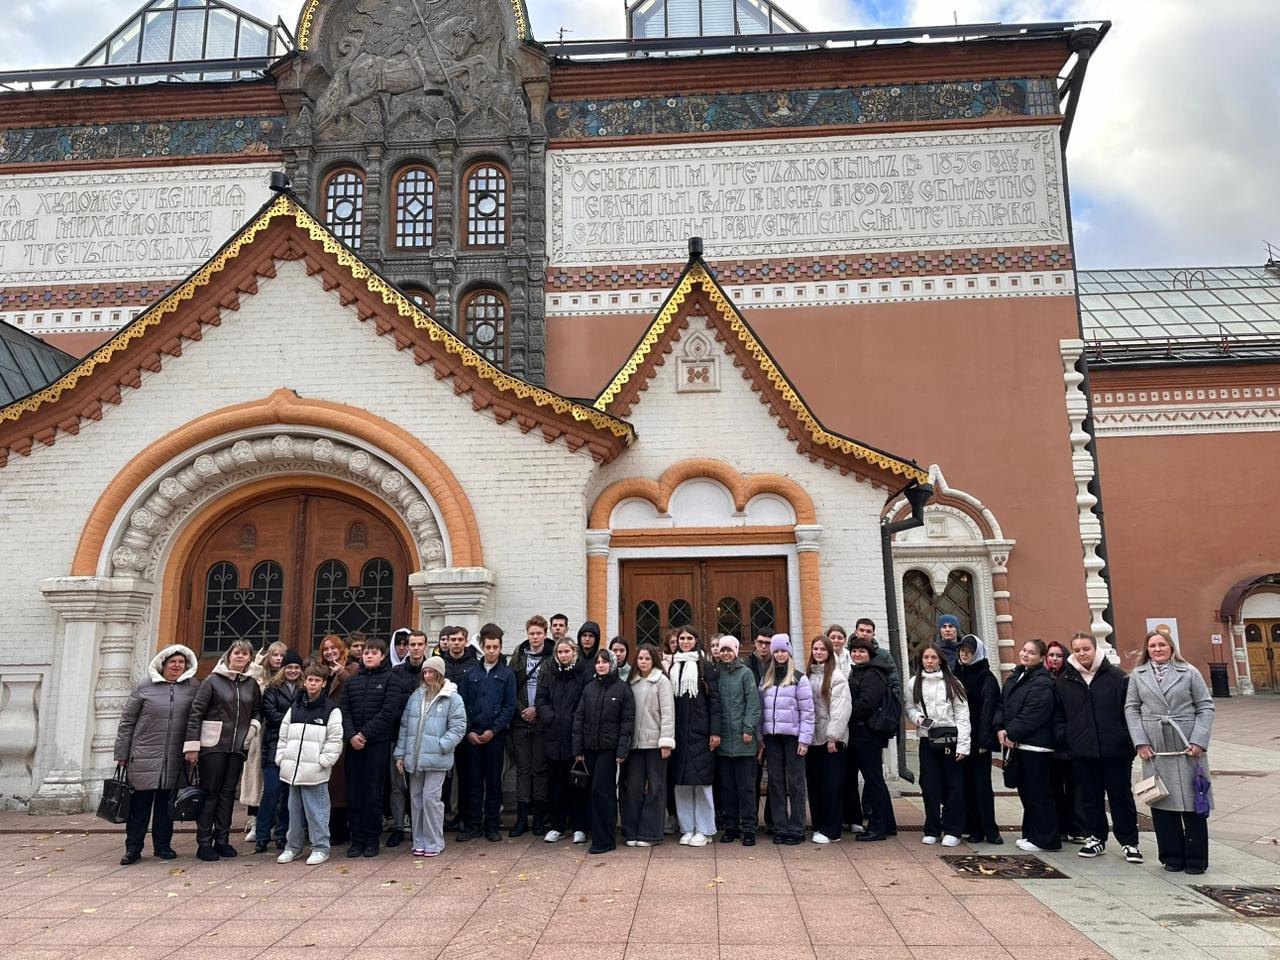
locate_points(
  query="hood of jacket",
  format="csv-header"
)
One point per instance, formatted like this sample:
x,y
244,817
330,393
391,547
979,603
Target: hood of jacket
x,y
872,665
591,627
391,647
737,663
223,670
157,663
450,689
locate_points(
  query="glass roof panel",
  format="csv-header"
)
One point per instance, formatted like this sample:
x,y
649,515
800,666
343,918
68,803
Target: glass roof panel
x,y
707,18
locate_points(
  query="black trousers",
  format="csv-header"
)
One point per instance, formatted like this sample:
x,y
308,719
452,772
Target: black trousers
x,y
149,806
869,754
852,812
942,784
1039,814
644,801
1062,782
1111,777
366,784
1182,838
567,804
531,762
484,802
979,796
219,776
786,784
602,789
459,774
824,777
739,793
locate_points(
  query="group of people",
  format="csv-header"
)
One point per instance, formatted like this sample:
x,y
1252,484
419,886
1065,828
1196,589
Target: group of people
x,y
606,740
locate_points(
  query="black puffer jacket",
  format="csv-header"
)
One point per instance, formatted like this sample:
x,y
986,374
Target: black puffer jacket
x,y
606,716
986,707
455,670
559,690
276,702
1028,707
867,685
371,704
1088,718
697,718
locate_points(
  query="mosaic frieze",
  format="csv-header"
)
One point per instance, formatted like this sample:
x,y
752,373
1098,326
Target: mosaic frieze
x,y
204,137
774,109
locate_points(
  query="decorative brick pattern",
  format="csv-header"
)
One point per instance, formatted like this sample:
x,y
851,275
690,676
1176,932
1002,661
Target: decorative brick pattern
x,y
152,139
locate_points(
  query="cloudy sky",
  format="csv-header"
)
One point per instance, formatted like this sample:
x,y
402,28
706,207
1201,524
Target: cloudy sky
x,y
1169,158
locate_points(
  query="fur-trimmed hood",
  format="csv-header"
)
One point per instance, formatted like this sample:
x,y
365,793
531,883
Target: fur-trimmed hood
x,y
157,663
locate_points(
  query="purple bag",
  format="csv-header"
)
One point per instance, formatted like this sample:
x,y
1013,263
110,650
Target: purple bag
x,y
1200,784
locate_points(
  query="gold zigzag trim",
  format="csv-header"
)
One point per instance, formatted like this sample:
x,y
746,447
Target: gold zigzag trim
x,y
698,274
308,17
283,206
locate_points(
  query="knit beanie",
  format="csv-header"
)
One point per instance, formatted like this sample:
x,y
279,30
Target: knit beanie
x,y
434,663
291,657
731,643
947,620
780,641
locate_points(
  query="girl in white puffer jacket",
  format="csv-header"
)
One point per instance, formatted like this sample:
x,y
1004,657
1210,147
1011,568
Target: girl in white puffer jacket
x,y
937,706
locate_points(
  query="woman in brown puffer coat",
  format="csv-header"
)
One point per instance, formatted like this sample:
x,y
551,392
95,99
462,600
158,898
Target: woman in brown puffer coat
x,y
149,747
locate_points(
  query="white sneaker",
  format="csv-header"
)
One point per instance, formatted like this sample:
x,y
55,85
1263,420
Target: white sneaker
x,y
950,841
699,840
251,828
579,837
631,843
288,856
553,836
685,839
928,839
820,837
1024,844
1133,854
640,843
317,857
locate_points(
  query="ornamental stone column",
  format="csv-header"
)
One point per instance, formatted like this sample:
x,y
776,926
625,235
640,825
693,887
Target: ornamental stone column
x,y
94,651
459,595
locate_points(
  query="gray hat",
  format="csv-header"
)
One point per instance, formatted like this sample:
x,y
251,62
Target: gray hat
x,y
434,663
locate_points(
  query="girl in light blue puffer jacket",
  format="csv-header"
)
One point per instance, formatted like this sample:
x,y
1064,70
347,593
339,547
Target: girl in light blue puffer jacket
x,y
433,724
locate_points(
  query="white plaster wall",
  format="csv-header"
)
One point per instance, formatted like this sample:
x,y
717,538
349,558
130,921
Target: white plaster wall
x,y
528,495
734,426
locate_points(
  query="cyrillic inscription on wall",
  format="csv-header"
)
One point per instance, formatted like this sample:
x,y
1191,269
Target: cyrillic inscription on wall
x,y
122,225
779,197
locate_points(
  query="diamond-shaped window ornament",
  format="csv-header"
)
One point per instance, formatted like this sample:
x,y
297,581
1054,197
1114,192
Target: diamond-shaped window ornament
x,y
415,207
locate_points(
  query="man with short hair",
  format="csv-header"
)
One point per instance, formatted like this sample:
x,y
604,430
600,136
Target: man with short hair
x,y
489,694
526,729
559,628
407,674
759,659
459,657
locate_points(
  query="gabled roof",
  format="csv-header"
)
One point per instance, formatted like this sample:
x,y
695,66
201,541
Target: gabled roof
x,y
285,230
697,287
27,363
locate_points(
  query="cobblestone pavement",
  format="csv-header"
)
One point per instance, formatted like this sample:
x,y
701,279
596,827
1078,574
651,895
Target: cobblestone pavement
x,y
64,895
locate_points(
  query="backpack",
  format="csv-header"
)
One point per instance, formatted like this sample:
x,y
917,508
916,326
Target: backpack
x,y
887,718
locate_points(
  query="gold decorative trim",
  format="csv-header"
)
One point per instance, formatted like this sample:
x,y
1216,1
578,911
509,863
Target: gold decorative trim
x,y
284,206
308,16
697,274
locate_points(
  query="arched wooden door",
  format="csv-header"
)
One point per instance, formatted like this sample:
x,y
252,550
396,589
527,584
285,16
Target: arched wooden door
x,y
294,567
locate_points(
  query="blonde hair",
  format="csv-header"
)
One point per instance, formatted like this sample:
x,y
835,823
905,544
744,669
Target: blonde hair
x,y
792,677
1144,655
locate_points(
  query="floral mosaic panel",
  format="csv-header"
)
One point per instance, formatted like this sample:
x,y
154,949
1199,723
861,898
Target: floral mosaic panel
x,y
206,136
772,109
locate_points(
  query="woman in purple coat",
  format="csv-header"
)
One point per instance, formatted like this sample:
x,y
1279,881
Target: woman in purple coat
x,y
787,728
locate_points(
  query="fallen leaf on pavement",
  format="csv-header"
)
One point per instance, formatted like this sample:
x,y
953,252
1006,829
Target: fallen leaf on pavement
x,y
176,871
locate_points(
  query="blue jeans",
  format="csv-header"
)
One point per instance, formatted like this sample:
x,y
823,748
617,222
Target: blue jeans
x,y
273,809
309,810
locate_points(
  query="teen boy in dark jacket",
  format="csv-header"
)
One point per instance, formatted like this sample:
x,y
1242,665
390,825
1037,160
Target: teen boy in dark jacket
x,y
489,694
370,724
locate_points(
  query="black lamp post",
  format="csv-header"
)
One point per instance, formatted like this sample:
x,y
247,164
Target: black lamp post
x,y
917,494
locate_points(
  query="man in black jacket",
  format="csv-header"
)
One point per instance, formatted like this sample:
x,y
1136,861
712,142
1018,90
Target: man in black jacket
x,y
489,694
408,675
1089,722
459,657
370,723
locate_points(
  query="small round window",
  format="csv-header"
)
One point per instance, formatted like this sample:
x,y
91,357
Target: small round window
x,y
487,205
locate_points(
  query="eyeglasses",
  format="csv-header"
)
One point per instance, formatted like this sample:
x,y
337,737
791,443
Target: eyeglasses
x,y
686,636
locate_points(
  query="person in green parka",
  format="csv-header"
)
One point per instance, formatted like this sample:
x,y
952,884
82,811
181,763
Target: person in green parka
x,y
739,717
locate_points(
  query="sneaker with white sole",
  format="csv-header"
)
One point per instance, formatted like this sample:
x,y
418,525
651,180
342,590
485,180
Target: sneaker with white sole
x,y
950,840
1025,844
640,843
699,840
685,838
554,836
856,828
1093,847
1133,854
317,857
820,837
287,857
928,839
251,829
579,836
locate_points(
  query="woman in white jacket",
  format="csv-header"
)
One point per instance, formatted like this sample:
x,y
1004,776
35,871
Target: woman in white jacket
x,y
309,745
938,708
824,764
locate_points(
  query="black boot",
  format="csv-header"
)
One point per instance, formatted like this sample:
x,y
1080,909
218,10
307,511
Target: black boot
x,y
540,825
395,838
130,856
521,826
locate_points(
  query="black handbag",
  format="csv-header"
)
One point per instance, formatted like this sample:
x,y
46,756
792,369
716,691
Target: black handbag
x,y
1011,769
578,774
117,798
946,737
188,801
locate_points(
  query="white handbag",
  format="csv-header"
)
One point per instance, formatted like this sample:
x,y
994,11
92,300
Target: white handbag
x,y
1150,790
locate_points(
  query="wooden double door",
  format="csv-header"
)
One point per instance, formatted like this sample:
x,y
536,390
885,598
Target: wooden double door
x,y
741,596
1262,640
294,567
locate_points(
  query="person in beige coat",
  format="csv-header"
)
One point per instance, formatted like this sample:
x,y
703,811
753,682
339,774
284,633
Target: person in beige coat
x,y
645,796
1170,715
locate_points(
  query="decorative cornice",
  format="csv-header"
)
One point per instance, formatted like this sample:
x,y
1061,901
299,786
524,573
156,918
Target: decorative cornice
x,y
698,284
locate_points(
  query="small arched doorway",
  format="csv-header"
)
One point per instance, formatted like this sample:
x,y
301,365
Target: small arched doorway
x,y
293,566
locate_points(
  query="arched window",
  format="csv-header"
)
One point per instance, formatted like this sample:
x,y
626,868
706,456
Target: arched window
x,y
233,612
422,298
344,205
341,607
486,208
648,622
923,607
414,195
484,325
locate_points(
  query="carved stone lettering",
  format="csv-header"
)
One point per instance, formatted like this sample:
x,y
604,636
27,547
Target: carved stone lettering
x,y
764,198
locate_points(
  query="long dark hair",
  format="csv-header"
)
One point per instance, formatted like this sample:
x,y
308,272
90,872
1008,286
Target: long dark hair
x,y
950,682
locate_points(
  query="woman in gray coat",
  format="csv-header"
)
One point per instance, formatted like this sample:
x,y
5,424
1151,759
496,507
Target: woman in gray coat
x,y
149,746
1170,716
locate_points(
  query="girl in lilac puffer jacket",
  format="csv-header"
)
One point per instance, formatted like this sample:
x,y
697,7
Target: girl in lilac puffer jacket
x,y
786,728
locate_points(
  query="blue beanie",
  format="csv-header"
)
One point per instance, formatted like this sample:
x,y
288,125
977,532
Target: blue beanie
x,y
947,620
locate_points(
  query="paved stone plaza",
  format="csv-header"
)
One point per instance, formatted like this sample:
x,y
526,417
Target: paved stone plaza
x,y
65,896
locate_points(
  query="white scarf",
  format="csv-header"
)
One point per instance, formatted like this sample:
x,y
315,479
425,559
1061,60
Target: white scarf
x,y
687,679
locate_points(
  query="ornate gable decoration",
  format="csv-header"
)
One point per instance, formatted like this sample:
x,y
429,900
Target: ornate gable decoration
x,y
698,293
285,230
